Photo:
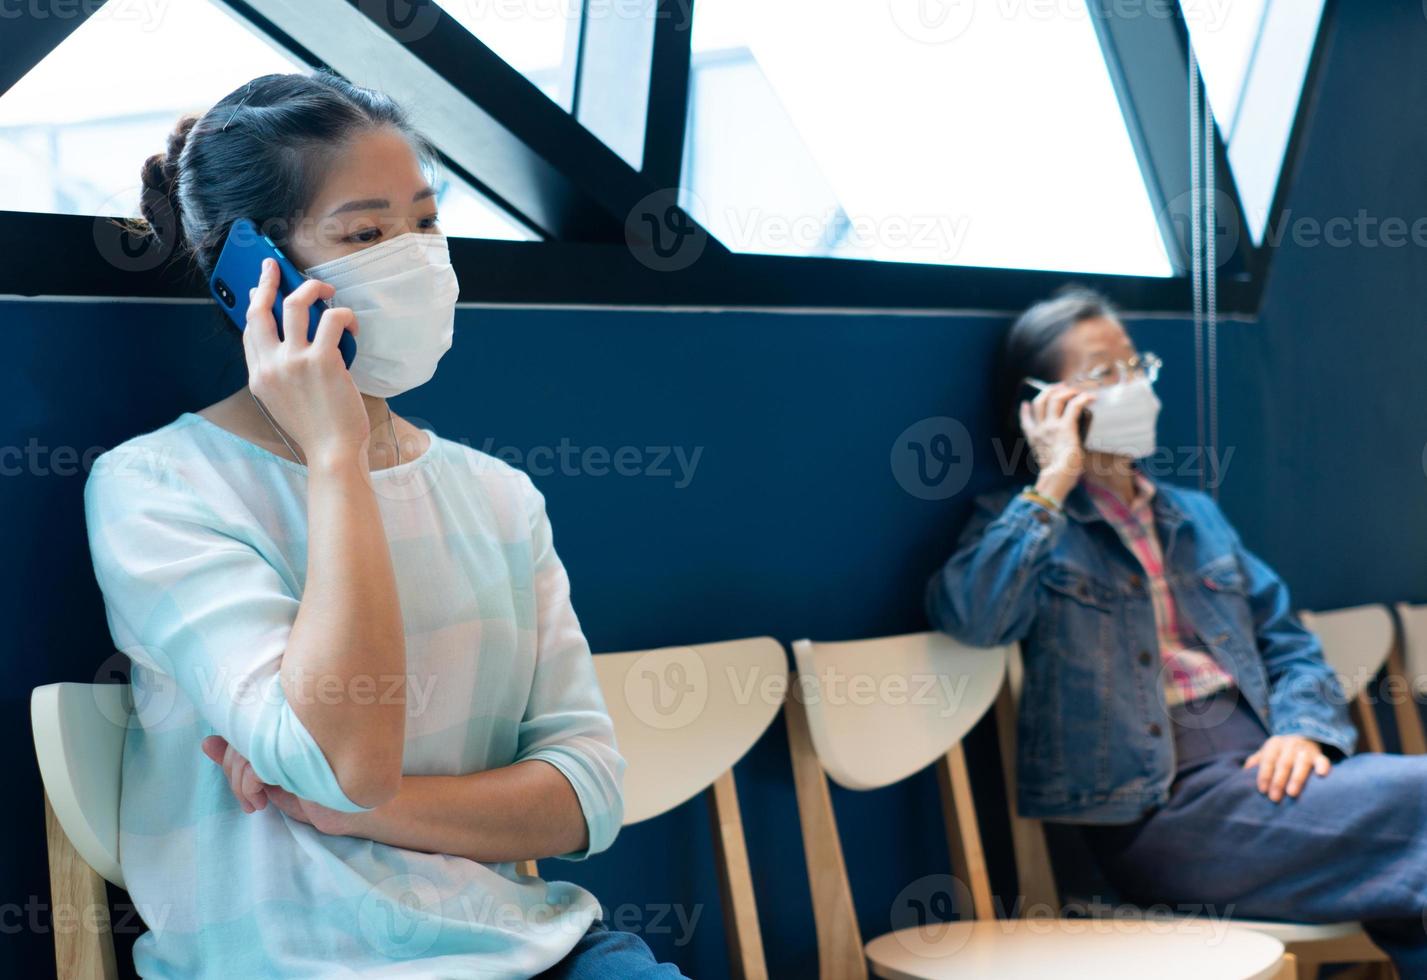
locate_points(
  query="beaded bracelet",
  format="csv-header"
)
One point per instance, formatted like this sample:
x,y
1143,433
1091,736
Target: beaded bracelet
x,y
1040,498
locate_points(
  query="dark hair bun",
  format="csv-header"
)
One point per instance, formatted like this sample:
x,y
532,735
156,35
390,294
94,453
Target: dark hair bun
x,y
158,199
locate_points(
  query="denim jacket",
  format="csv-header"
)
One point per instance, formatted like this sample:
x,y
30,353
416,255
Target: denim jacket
x,y
1094,739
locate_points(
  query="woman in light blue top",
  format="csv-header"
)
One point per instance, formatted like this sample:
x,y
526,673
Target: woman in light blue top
x,y
361,691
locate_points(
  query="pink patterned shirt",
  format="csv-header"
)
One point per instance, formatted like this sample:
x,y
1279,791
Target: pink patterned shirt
x,y
1189,673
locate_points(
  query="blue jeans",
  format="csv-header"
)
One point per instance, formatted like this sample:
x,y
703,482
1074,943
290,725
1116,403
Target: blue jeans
x,y
604,954
1352,846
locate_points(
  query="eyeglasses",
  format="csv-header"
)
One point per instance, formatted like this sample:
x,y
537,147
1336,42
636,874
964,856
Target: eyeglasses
x,y
1144,365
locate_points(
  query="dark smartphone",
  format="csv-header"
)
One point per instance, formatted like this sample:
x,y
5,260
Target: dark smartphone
x,y
239,267
1031,387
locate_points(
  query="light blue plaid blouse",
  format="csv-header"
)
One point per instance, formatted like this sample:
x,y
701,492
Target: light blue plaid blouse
x,y
199,541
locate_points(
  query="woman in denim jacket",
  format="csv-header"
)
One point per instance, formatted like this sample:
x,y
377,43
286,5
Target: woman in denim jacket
x,y
1172,703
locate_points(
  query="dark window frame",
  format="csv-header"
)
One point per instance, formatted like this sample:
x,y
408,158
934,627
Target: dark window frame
x,y
556,178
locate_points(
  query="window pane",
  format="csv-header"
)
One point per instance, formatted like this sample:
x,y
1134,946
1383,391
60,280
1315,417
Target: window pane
x,y
615,74
69,145
543,40
1254,57
1223,36
989,135
539,39
467,213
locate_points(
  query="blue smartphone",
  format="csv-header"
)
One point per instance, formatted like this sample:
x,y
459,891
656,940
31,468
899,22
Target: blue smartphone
x,y
240,266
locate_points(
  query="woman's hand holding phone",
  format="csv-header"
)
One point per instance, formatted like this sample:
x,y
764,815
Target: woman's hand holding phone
x,y
1051,423
304,384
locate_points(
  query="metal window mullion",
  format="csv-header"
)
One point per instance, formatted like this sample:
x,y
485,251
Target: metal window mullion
x,y
577,62
666,122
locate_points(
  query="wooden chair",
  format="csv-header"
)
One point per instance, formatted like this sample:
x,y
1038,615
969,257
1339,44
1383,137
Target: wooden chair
x,y
1362,643
79,741
682,717
1310,945
1408,661
871,713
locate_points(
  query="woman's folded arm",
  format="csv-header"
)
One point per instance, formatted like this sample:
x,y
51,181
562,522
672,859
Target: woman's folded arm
x,y
524,811
560,796
191,601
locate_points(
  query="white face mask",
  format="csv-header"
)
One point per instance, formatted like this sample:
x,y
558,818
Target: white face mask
x,y
1123,420
404,294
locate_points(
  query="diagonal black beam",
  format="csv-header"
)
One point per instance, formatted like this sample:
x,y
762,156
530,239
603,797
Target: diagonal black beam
x,y
493,124
244,11
532,153
28,32
379,50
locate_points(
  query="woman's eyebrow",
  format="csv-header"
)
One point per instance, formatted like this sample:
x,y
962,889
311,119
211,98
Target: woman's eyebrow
x,y
370,204
381,203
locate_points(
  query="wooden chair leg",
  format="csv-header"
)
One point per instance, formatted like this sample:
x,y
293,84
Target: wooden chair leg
x,y
79,911
840,955
1366,720
963,834
1035,875
1306,966
1404,707
528,868
1288,968
735,879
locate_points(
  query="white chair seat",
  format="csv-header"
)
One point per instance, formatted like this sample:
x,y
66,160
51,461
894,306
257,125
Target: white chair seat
x,y
1075,949
1300,932
1285,932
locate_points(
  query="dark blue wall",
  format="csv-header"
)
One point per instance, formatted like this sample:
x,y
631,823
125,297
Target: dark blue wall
x,y
794,523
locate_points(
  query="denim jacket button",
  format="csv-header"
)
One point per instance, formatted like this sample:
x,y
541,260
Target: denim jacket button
x,y
1136,582
1043,517
1145,658
1155,730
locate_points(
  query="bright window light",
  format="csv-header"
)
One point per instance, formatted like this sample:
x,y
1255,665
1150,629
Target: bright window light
x,y
1254,57
71,145
609,43
538,38
957,133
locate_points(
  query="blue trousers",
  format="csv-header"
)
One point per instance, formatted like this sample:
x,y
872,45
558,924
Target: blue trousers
x,y
604,954
1352,846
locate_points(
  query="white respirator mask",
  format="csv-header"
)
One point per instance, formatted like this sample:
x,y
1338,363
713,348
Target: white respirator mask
x,y
403,292
1122,419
